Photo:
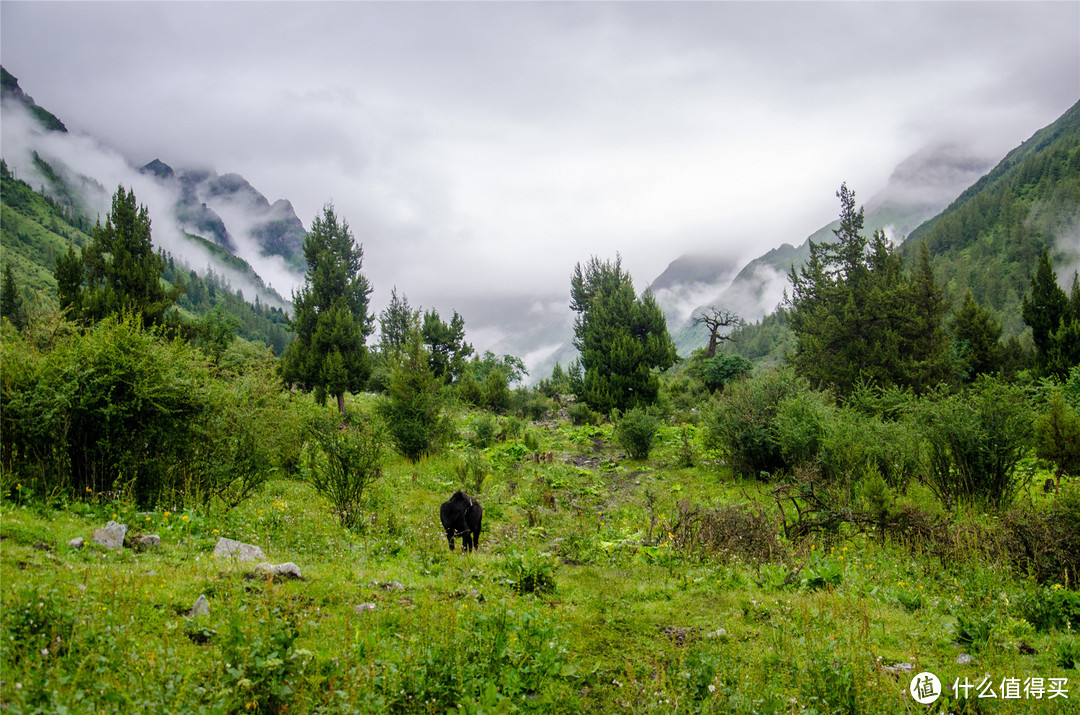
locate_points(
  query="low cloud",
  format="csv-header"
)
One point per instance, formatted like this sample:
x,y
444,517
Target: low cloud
x,y
95,172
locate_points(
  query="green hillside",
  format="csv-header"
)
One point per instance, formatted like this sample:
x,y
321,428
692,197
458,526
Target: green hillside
x,y
989,240
37,228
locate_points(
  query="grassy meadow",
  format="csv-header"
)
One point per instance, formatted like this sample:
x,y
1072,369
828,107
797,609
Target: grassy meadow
x,y
601,584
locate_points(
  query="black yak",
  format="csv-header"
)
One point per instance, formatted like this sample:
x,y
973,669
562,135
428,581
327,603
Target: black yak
x,y
460,516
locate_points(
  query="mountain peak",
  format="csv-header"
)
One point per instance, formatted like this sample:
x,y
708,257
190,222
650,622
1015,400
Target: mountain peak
x,y
10,90
159,169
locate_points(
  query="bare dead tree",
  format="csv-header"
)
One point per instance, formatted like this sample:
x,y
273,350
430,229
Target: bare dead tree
x,y
716,320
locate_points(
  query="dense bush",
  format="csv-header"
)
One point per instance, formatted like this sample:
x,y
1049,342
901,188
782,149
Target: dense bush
x,y
975,440
344,459
413,410
124,411
636,433
718,371
744,421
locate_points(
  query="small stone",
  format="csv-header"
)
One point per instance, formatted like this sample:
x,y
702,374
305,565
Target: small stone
x,y
287,570
76,543
964,659
238,550
147,541
720,633
392,586
365,607
201,607
112,536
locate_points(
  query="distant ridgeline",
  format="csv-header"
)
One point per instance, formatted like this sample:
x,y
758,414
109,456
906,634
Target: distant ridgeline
x,y
988,240
37,228
39,225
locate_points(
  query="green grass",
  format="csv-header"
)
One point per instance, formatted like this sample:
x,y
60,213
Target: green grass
x,y
629,625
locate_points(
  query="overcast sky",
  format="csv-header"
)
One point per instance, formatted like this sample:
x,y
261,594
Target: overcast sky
x,y
488,147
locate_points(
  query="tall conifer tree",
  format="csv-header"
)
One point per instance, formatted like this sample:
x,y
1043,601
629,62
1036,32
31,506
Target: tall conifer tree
x,y
120,268
330,314
622,339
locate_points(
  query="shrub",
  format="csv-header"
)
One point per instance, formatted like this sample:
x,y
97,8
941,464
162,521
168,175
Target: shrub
x,y
722,369
801,425
580,414
484,428
472,470
413,409
345,458
529,573
975,440
532,405
744,421
123,410
636,433
738,531
496,389
1057,435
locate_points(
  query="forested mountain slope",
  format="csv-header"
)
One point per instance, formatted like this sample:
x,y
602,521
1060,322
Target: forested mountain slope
x,y
989,239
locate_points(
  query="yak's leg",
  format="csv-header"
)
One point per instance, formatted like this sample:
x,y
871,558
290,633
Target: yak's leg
x,y
466,540
450,538
476,539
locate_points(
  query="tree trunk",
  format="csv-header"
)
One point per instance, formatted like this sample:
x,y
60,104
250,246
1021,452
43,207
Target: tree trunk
x,y
341,403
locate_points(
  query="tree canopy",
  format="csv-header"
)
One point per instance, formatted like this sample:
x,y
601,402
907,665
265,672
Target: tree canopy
x,y
622,338
860,318
119,270
330,315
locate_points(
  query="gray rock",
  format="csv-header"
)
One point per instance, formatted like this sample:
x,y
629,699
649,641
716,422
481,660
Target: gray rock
x,y
147,541
112,536
720,633
237,550
365,607
285,570
76,543
392,586
964,659
201,607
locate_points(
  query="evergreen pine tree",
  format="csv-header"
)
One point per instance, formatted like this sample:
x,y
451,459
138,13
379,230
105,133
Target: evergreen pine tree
x,y
859,318
397,322
976,336
330,314
622,339
1044,307
447,349
122,269
11,302
1049,312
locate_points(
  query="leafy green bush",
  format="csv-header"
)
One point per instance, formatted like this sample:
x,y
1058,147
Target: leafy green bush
x,y
484,428
472,469
413,409
744,421
1051,608
532,405
124,411
722,369
580,414
260,665
1057,435
975,440
345,458
529,573
636,432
